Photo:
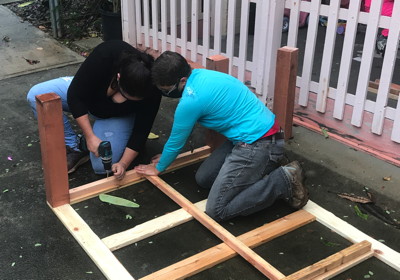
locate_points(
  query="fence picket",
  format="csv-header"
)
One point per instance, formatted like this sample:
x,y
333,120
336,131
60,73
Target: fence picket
x,y
173,27
309,52
154,23
294,23
366,63
206,31
329,47
194,30
346,60
244,26
387,71
183,41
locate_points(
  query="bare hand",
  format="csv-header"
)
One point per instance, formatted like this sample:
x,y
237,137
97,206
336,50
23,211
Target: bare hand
x,y
155,159
119,170
93,145
148,169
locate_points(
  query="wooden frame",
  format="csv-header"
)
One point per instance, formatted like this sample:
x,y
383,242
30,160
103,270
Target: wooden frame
x,y
60,198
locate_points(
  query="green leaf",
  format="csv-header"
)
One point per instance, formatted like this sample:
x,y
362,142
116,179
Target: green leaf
x,y
6,190
324,131
38,245
359,213
25,4
117,201
152,136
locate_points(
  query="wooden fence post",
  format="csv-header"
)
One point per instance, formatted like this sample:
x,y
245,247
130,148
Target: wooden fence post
x,y
217,63
285,88
52,145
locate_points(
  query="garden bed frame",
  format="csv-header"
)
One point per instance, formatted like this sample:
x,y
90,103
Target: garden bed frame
x,y
60,198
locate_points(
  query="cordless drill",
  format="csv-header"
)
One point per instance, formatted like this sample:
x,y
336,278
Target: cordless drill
x,y
104,150
105,154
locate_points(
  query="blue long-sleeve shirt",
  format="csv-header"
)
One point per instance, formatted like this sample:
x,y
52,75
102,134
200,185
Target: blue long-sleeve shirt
x,y
220,102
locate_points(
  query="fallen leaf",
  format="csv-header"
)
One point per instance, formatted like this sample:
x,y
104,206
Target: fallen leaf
x,y
40,49
128,217
38,245
25,4
31,61
324,131
359,213
388,178
89,272
152,136
41,27
9,158
117,201
6,39
13,264
6,190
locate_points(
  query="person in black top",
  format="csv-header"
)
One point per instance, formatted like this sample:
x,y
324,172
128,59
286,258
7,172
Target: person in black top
x,y
113,90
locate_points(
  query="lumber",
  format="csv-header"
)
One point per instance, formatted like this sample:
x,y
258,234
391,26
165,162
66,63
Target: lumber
x,y
150,228
93,189
262,265
331,262
328,219
90,242
345,266
285,88
222,252
52,146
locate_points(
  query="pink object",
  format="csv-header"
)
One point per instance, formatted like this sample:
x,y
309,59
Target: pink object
x,y
387,9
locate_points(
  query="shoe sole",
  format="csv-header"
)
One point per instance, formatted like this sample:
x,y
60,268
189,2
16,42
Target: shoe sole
x,y
79,163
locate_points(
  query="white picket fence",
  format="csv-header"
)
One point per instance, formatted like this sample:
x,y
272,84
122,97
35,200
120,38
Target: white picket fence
x,y
200,28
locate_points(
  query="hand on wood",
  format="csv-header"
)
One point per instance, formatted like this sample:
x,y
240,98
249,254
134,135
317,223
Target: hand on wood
x,y
148,169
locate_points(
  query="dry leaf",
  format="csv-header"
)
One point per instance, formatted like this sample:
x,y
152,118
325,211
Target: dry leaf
x,y
388,178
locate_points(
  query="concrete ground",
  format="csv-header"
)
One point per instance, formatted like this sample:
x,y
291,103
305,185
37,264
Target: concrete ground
x,y
35,245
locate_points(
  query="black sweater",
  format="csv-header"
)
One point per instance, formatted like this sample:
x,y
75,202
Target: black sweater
x,y
88,93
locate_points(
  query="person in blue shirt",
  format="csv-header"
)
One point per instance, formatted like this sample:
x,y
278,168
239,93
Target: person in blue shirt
x,y
243,174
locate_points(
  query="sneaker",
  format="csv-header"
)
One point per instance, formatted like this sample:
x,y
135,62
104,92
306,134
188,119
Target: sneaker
x,y
296,176
75,159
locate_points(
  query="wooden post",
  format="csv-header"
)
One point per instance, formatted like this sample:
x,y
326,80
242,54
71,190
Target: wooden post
x,y
52,144
217,63
285,87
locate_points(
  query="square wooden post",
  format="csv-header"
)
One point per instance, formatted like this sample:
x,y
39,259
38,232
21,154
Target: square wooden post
x,y
285,87
52,145
217,63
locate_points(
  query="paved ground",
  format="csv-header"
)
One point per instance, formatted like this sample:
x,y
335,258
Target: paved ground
x,y
35,245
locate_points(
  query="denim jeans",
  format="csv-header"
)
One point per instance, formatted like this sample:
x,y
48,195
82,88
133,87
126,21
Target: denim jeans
x,y
116,130
244,178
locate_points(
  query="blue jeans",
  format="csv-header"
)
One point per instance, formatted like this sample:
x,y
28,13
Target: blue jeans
x,y
244,178
116,130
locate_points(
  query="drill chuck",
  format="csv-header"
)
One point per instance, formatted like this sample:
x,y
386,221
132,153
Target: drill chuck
x,y
105,154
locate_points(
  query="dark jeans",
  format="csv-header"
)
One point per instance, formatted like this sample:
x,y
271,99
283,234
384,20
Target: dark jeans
x,y
244,178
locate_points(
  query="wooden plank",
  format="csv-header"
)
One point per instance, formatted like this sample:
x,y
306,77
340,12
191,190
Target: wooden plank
x,y
52,146
328,219
90,242
341,268
150,228
390,95
285,88
366,63
331,262
309,52
254,259
222,252
388,65
329,48
394,88
93,189
346,60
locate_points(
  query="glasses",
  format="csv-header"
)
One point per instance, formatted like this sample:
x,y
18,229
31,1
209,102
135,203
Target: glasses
x,y
167,92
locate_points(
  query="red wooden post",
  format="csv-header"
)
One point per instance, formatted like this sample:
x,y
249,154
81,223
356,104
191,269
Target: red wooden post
x,y
218,63
285,87
52,144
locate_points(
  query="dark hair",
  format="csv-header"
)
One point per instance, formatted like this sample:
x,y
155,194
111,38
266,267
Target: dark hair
x,y
168,68
135,73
